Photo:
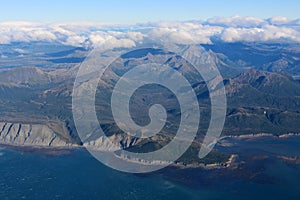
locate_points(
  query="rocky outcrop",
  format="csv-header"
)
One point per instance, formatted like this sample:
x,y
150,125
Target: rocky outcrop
x,y
29,135
25,134
112,143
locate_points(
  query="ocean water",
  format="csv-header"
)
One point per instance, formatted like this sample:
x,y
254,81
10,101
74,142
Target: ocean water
x,y
77,175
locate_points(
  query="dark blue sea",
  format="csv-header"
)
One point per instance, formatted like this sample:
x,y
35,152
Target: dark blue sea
x,y
75,174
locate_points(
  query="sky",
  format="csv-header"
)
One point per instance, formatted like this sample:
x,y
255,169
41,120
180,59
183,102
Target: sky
x,y
133,11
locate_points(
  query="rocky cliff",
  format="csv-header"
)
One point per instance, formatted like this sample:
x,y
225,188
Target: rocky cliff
x,y
44,135
29,135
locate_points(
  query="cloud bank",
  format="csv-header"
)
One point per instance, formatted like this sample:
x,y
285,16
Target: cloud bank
x,y
232,29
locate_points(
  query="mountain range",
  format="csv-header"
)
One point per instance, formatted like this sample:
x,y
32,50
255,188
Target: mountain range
x,y
263,93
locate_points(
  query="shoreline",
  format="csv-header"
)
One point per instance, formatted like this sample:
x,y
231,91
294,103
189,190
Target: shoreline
x,y
231,163
74,146
65,150
257,135
45,150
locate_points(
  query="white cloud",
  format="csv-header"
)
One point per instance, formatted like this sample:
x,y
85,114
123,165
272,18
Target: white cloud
x,y
185,33
236,21
75,40
266,33
283,21
279,20
24,32
40,34
231,29
109,41
4,39
135,36
169,35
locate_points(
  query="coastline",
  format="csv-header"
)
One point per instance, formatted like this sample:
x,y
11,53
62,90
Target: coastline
x,y
46,150
232,163
259,135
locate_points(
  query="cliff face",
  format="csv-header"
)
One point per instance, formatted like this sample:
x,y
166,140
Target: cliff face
x,y
43,135
29,135
112,143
